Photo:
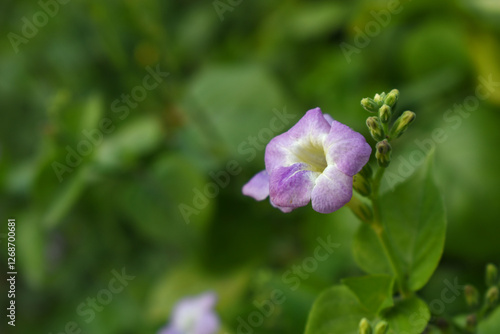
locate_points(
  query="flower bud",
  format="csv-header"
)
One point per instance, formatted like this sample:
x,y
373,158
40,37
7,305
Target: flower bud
x,y
375,128
362,185
365,327
470,323
402,124
381,327
369,104
492,296
385,113
383,153
491,275
360,209
366,171
471,295
392,98
379,99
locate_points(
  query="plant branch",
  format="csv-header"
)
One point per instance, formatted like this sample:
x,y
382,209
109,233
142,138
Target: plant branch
x,y
381,233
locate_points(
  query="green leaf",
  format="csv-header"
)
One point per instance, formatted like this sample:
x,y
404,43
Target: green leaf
x,y
221,99
337,310
129,142
491,325
167,203
65,198
316,19
368,252
31,249
373,292
414,218
408,316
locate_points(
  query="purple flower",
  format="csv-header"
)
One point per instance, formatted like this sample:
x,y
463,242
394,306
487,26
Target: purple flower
x,y
194,315
313,161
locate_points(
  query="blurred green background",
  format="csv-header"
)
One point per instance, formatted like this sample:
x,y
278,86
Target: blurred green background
x,y
232,66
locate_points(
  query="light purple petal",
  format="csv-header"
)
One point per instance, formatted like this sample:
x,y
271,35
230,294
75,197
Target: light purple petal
x,y
193,309
291,186
168,330
328,118
205,301
258,186
332,191
312,128
347,149
208,323
283,209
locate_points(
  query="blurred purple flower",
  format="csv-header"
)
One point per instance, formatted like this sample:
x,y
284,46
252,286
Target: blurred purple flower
x,y
313,161
194,315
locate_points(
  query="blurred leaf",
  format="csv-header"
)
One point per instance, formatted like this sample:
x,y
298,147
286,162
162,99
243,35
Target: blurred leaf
x,y
189,280
484,50
65,197
229,104
337,310
436,45
415,222
407,316
127,143
70,118
31,245
490,325
151,201
373,292
313,19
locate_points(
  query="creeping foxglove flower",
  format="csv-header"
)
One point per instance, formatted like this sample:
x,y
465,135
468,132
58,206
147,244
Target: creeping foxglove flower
x,y
194,315
314,161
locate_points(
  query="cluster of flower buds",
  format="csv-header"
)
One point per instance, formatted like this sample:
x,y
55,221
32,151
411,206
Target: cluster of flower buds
x,y
491,297
379,126
472,297
492,284
366,328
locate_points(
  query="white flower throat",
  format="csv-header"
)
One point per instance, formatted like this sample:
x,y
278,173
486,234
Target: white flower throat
x,y
311,154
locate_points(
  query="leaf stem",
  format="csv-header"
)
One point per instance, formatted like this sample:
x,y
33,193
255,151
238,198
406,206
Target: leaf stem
x,y
378,228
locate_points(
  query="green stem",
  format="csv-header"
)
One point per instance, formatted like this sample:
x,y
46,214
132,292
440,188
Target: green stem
x,y
385,127
381,233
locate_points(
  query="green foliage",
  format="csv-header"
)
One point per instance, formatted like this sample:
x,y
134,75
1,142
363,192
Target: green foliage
x,y
120,205
337,310
222,97
491,324
340,308
414,218
373,292
407,316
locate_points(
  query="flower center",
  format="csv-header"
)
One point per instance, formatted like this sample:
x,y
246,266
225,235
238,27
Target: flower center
x,y
313,155
188,325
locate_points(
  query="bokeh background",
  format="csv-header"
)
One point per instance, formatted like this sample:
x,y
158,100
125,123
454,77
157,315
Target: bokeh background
x,y
231,70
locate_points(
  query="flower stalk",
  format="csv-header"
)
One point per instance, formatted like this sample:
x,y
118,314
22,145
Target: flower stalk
x,y
381,130
378,227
